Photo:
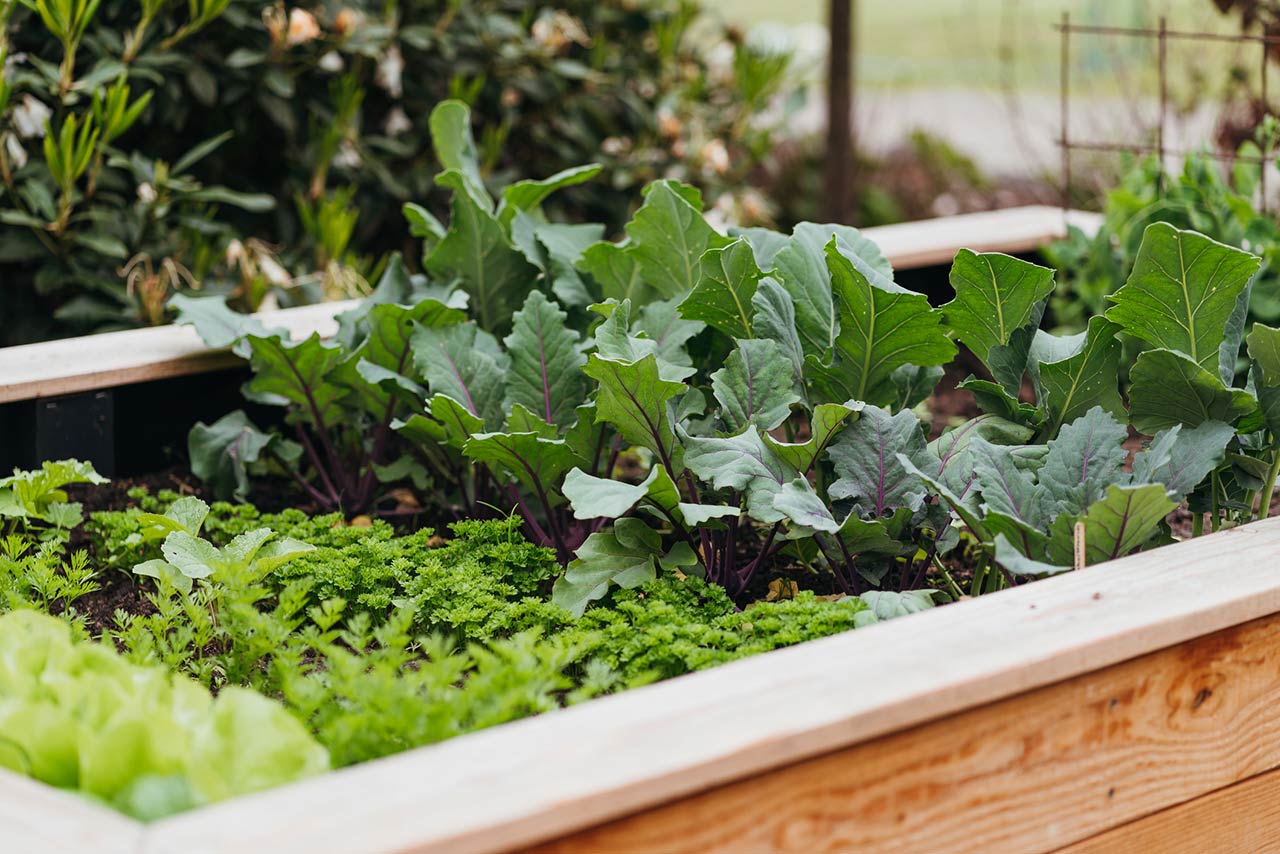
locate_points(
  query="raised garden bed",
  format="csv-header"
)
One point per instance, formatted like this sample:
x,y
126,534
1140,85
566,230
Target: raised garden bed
x,y
1082,712
1101,711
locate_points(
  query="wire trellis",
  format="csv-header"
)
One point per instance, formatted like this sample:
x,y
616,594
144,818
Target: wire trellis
x,y
1162,35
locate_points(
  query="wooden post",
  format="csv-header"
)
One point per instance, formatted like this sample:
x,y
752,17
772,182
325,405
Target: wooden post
x,y
837,166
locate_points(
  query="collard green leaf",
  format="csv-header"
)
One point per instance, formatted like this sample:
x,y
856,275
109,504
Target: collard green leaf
x,y
996,295
994,399
1086,458
755,386
960,502
626,556
488,268
802,269
1180,458
465,364
616,273
546,362
1181,292
598,497
530,193
890,604
1121,522
826,420
1012,559
296,375
535,461
723,295
217,325
879,332
1264,349
1086,376
800,503
1007,488
914,384
775,319
1170,388
742,463
669,237
222,452
866,462
616,339
661,323
450,125
633,398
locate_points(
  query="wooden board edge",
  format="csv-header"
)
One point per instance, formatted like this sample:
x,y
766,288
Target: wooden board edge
x,y
1078,760
541,778
907,245
1243,818
37,817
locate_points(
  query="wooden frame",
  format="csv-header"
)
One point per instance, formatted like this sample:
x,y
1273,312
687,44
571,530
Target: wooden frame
x,y
1127,706
118,358
1079,714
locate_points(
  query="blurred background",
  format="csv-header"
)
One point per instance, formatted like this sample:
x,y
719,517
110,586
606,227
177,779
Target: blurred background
x,y
266,150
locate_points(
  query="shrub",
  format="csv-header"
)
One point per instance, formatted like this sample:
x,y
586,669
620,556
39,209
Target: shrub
x,y
183,143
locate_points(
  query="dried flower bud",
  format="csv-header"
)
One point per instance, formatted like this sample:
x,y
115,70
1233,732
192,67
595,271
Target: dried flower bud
x,y
302,27
390,69
30,116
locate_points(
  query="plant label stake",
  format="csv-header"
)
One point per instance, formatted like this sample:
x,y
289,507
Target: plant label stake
x,y
1079,539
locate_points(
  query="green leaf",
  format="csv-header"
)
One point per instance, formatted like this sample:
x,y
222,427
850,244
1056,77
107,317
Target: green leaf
x,y
478,252
626,556
755,386
466,364
826,420
914,384
1086,457
1181,292
742,463
1075,375
192,556
723,296
217,325
296,375
616,272
865,457
546,362
598,497
1180,458
996,296
530,193
1170,388
1012,559
1120,523
222,452
1006,488
633,398
1264,349
889,604
450,125
775,319
536,462
880,331
669,237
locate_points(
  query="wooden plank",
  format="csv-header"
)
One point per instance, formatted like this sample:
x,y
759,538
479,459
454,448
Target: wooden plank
x,y
538,779
1013,230
36,817
1020,776
1239,819
135,355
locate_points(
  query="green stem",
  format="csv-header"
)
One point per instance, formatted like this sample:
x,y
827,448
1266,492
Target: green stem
x,y
1214,487
1197,524
1268,490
